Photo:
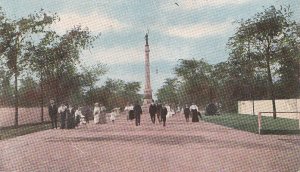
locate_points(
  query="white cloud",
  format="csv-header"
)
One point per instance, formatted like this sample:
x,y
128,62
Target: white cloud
x,y
129,55
117,55
96,22
199,30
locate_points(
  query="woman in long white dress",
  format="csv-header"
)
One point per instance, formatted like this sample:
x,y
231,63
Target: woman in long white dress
x,y
113,116
102,118
129,111
96,113
170,111
80,119
115,112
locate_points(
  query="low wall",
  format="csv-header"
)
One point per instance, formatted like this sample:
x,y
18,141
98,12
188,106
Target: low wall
x,y
26,115
284,105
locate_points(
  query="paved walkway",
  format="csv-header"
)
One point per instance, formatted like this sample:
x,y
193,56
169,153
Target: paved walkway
x,y
122,146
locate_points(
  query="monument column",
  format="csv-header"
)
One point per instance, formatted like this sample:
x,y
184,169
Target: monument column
x,y
148,90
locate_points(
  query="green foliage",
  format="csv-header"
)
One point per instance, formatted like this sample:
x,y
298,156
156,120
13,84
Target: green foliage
x,y
169,92
29,92
15,35
91,74
197,82
263,63
267,40
11,132
249,123
115,93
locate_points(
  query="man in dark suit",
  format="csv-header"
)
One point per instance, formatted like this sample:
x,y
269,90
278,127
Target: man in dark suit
x,y
70,115
152,111
137,113
164,113
52,109
62,110
158,111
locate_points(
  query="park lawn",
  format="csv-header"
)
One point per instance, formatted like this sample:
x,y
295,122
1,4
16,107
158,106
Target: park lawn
x,y
249,123
11,132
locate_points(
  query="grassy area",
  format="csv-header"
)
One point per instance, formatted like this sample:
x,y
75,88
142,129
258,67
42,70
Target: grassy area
x,y
249,123
11,132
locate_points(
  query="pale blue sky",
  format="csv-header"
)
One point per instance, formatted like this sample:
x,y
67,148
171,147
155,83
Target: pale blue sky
x,y
194,29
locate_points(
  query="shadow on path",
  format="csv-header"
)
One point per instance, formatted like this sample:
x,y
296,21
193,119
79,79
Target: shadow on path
x,y
176,140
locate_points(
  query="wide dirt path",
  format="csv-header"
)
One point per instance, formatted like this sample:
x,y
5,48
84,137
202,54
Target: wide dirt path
x,y
122,146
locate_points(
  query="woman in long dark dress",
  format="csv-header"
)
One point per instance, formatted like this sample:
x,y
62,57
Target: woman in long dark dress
x,y
131,115
194,111
70,117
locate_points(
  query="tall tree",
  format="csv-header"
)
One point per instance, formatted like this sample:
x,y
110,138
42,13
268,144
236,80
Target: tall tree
x,y
267,33
41,56
60,77
15,35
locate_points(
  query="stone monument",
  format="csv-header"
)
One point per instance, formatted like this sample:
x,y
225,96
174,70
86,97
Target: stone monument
x,y
148,90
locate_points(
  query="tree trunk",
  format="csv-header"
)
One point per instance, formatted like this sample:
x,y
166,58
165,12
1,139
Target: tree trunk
x,y
251,72
16,72
42,100
16,100
271,86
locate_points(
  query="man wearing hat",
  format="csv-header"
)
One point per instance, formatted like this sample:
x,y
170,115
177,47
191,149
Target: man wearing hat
x,y
137,113
52,109
152,111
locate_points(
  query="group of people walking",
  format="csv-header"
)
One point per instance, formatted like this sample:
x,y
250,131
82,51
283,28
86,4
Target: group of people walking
x,y
134,112
192,111
71,117
160,111
164,112
100,114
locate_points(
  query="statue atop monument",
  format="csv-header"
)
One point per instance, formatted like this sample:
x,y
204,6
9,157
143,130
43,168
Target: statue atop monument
x,y
146,38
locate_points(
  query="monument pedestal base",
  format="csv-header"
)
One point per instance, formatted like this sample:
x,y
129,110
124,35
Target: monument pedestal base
x,y
146,105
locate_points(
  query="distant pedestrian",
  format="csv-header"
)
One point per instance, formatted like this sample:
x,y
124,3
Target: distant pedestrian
x,y
62,111
164,113
113,115
137,113
129,111
126,110
194,110
152,111
79,118
170,111
102,116
187,112
96,113
70,114
53,110
88,112
158,111
178,109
